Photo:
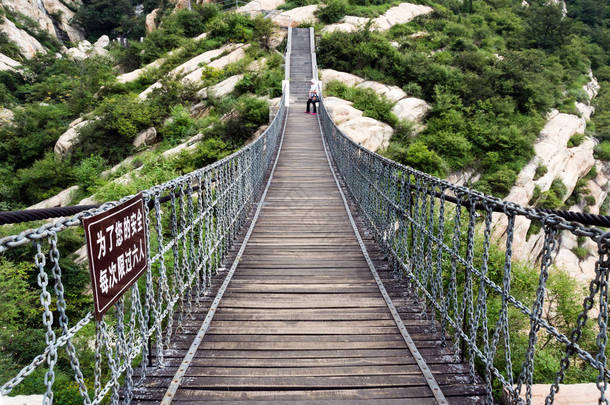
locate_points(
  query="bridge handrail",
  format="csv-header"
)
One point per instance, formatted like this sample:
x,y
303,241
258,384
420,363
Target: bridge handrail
x,y
407,210
188,241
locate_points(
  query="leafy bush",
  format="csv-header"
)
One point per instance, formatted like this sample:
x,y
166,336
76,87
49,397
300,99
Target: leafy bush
x,y
602,151
35,130
580,252
418,156
366,100
88,172
240,28
552,198
267,82
45,178
333,11
498,182
99,17
576,140
541,170
180,127
9,48
589,200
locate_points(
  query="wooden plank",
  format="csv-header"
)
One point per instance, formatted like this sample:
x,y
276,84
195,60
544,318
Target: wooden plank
x,y
318,395
305,382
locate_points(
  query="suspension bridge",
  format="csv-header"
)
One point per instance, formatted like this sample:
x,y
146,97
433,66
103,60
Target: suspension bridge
x,y
305,268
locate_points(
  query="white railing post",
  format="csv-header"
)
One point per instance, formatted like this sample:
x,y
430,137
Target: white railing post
x,y
286,81
312,48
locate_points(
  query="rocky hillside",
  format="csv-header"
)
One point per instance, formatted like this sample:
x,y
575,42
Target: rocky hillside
x,y
26,22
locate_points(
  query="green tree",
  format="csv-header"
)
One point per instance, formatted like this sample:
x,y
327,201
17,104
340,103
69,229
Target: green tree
x,y
99,17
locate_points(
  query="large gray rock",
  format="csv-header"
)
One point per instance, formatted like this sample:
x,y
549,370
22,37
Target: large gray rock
x,y
58,8
277,37
7,63
347,24
61,199
40,11
566,164
368,132
256,7
392,93
235,56
221,89
411,109
22,399
6,116
189,145
203,58
329,75
296,16
592,87
135,74
144,95
30,8
151,18
569,394
28,45
145,138
85,49
401,14
341,110
232,57
102,42
69,139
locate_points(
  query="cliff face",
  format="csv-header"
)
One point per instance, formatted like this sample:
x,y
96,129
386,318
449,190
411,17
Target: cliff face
x,y
53,16
568,164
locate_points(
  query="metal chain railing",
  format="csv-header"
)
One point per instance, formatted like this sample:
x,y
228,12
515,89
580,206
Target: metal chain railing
x,y
438,237
188,238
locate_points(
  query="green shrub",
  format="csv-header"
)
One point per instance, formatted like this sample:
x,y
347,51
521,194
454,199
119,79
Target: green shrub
x,y
88,172
591,174
240,28
589,200
208,151
576,140
418,156
413,89
99,17
35,130
403,132
267,82
552,198
9,48
541,170
603,210
535,195
497,183
366,100
580,252
43,179
559,188
180,127
333,11
602,151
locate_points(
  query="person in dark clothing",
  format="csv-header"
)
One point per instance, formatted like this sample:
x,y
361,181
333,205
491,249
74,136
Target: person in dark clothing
x,y
313,96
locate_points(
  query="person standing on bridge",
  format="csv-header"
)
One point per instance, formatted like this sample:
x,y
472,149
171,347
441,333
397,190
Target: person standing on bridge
x,y
313,96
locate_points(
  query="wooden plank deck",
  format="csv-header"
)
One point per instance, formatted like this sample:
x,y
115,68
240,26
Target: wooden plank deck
x,y
303,319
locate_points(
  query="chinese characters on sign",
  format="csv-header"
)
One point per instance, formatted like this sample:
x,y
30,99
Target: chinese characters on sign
x,y
117,251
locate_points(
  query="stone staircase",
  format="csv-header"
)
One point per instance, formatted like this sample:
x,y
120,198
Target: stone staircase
x,y
300,65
